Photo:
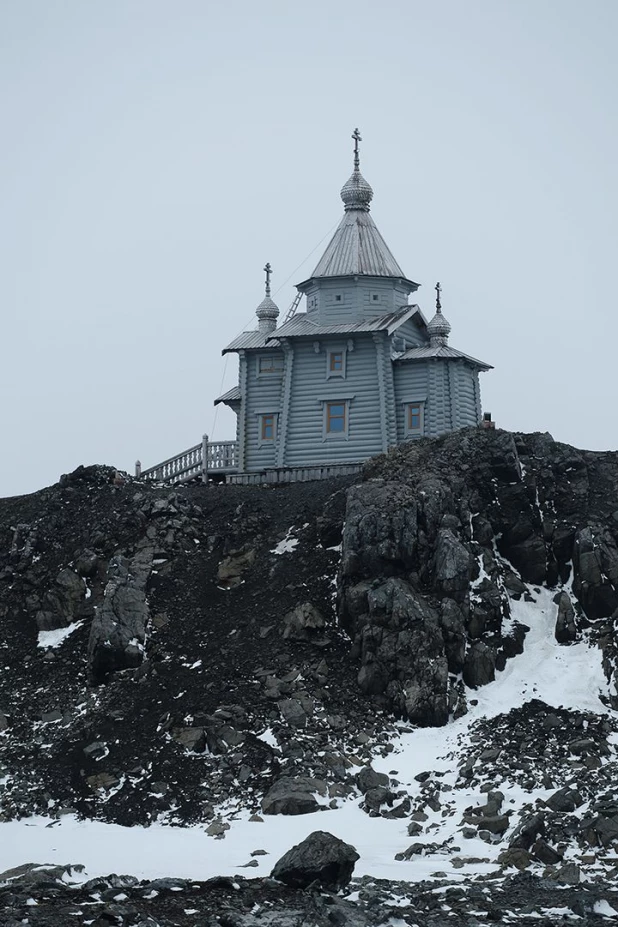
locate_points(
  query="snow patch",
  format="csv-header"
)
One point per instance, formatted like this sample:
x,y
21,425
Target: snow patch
x,y
52,639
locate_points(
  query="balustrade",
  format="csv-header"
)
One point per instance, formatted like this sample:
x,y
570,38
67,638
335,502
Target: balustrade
x,y
220,456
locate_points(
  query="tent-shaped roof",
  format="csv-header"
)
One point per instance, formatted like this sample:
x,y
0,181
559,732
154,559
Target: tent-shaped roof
x,y
357,247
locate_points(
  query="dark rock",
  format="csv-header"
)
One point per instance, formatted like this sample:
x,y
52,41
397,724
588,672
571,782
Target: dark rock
x,y
233,567
514,856
368,778
542,851
566,629
303,622
321,858
376,797
118,630
480,665
293,796
565,799
527,831
453,566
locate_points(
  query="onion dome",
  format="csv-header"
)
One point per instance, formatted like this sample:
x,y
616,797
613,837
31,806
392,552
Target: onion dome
x,y
268,311
439,328
356,193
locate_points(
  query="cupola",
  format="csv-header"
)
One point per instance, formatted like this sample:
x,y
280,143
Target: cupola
x,y
268,311
439,328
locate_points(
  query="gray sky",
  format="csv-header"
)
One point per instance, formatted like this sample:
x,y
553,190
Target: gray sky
x,y
155,154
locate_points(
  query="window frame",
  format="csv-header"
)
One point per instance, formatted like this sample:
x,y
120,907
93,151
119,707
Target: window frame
x,y
329,434
264,441
408,406
269,372
332,351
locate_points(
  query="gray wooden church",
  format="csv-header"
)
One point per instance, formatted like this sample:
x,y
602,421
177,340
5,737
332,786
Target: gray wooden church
x,y
359,371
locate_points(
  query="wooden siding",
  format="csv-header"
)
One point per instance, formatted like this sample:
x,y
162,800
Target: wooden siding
x,y
262,395
413,336
411,383
357,299
306,443
468,396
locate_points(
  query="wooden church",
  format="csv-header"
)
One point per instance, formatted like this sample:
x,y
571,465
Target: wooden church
x,y
359,371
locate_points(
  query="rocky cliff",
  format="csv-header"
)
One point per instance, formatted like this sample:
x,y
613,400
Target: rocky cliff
x,y
189,655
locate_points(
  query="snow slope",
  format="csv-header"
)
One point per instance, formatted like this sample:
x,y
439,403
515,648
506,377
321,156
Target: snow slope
x,y
562,676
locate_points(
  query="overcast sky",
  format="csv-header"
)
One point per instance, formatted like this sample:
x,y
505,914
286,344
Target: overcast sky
x,y
155,153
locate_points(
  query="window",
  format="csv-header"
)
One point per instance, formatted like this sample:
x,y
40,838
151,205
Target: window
x,y
415,414
336,361
375,297
268,427
338,298
271,364
336,418
335,364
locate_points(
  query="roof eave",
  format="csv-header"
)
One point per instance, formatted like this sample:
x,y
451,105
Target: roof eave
x,y
410,283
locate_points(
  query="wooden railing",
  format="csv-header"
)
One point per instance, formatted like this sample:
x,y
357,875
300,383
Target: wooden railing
x,y
208,457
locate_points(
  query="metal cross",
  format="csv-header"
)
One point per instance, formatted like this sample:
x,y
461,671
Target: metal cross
x,y
357,138
438,290
268,270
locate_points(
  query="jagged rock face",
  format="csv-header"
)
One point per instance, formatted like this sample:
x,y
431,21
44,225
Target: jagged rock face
x,y
118,630
429,545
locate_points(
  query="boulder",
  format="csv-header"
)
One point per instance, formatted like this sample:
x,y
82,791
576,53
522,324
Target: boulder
x,y
565,799
303,622
231,569
321,858
368,778
293,796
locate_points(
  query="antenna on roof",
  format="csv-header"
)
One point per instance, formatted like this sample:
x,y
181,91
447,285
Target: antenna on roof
x,y
357,138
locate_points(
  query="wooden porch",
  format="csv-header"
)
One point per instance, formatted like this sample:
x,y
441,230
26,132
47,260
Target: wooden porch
x,y
209,460
217,461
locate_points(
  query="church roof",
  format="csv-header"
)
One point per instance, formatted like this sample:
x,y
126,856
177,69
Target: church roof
x,y
444,351
300,324
247,341
232,395
357,248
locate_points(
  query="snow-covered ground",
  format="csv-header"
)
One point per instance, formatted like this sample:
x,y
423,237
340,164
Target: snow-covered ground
x,y
561,676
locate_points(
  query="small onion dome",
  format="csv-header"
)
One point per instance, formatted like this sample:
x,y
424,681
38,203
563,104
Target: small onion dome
x,y
438,329
357,193
267,313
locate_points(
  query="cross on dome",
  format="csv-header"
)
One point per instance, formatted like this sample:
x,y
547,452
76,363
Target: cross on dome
x,y
439,328
268,271
357,138
357,193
